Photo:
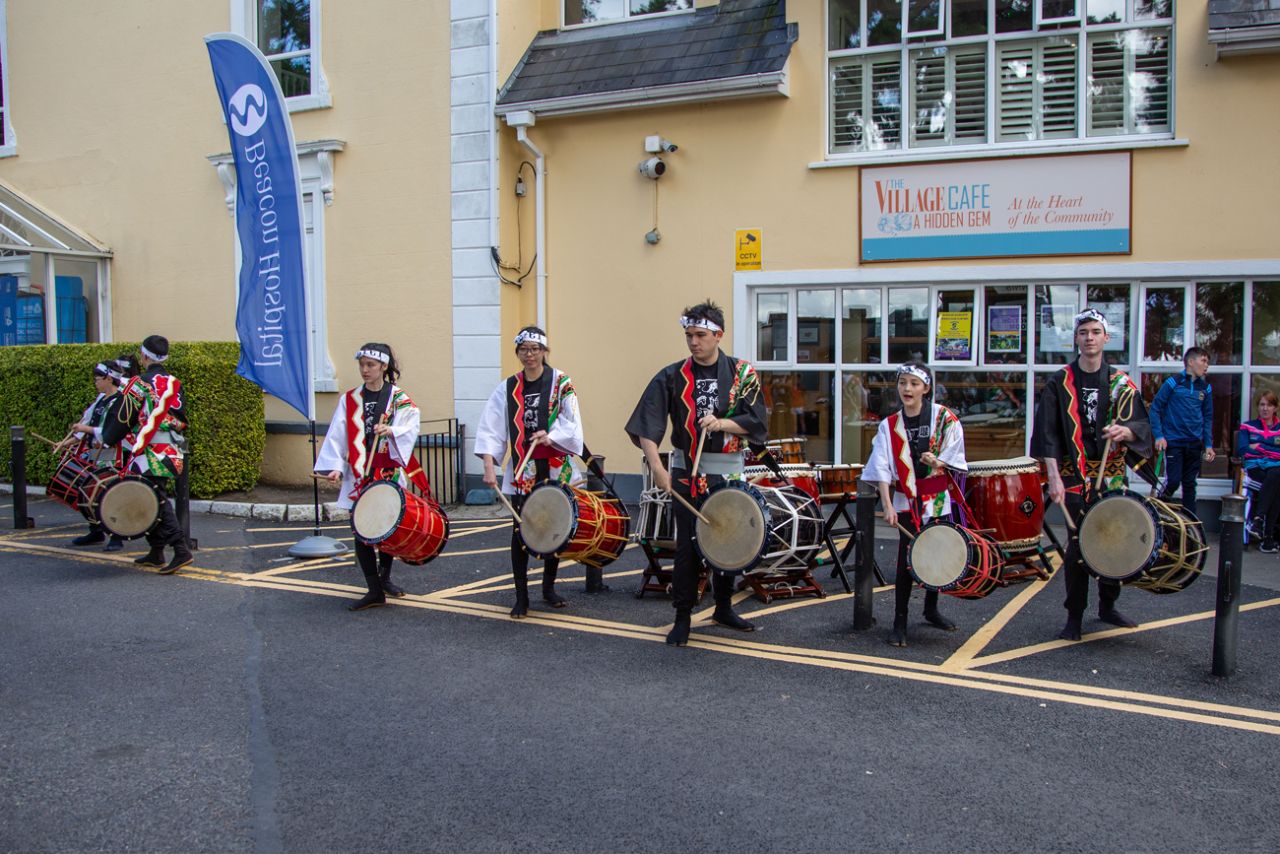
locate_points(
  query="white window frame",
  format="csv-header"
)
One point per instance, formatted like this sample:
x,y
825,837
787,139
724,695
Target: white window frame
x,y
1077,27
790,294
244,21
977,292
10,146
626,16
1188,307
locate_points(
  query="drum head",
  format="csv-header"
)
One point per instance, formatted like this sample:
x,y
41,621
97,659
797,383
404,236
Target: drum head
x,y
378,511
129,508
1117,536
735,538
938,556
1016,465
548,519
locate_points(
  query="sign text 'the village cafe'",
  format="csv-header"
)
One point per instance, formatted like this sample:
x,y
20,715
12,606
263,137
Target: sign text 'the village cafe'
x,y
1071,205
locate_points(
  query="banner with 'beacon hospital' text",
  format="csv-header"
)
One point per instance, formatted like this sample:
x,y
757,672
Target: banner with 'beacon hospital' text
x,y
271,311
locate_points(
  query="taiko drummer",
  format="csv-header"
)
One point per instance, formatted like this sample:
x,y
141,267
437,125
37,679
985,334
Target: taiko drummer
x,y
372,437
714,403
913,453
534,415
1086,410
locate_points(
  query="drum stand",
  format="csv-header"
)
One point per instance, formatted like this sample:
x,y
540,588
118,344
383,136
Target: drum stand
x,y
1029,569
832,528
657,578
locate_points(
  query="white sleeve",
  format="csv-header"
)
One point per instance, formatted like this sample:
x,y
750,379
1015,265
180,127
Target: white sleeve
x,y
879,468
951,454
566,433
405,424
491,432
333,451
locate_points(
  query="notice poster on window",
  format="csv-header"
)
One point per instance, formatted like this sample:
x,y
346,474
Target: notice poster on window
x,y
1075,204
1004,329
953,341
1057,334
1114,312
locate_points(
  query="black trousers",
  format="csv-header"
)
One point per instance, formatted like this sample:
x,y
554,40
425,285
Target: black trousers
x,y
372,561
688,563
520,555
1182,468
1075,573
168,532
1267,504
902,581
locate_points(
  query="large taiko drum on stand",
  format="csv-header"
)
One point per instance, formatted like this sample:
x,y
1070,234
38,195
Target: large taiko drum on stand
x,y
400,523
839,480
129,506
802,477
1006,497
955,560
77,482
789,451
656,525
589,527
758,528
1141,541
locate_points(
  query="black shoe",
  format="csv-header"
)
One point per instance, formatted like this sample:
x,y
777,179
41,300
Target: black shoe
x,y
1115,618
1269,547
934,618
181,557
155,557
115,544
1257,528
391,588
679,634
90,539
1071,631
372,599
521,609
724,616
898,637
554,599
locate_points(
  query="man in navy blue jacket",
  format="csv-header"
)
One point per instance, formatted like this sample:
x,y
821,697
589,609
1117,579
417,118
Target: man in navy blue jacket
x,y
1182,423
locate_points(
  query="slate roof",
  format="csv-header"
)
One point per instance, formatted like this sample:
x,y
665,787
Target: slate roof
x,y
1229,14
734,39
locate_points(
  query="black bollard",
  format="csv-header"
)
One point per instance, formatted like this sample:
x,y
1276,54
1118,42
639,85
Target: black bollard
x,y
182,501
864,571
594,574
18,471
1226,622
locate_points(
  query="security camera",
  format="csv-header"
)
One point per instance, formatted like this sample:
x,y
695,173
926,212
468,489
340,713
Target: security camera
x,y
654,144
652,168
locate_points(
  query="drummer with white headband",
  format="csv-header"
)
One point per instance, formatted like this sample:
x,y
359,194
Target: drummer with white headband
x,y
533,414
912,452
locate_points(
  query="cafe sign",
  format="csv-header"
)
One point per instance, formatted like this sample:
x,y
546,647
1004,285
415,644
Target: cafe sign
x,y
1026,206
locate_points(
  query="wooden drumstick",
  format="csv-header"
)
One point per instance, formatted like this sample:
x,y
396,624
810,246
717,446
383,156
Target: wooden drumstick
x,y
697,455
514,514
1066,514
911,538
46,441
515,473
694,510
373,451
1102,466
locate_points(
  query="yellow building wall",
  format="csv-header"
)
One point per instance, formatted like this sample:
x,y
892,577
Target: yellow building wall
x,y
613,301
116,142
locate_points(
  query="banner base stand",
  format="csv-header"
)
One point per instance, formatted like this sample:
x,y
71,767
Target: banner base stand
x,y
317,546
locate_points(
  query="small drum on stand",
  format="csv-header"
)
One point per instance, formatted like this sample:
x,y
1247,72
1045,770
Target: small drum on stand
x,y
1007,497
803,478
1141,541
574,524
789,451
772,534
839,480
129,506
955,560
76,484
656,526
400,523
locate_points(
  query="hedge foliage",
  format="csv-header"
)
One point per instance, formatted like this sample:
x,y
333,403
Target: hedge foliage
x,y
46,388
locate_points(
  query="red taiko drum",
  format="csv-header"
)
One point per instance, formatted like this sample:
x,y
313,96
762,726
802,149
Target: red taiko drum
x,y
1006,496
400,523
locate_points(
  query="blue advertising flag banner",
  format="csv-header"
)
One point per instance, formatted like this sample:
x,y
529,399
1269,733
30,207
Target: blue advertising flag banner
x,y
271,311
8,311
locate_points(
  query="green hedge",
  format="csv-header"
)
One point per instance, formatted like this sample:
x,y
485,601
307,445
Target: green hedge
x,y
46,388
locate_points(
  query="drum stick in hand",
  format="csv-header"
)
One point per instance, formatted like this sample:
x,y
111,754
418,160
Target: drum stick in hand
x,y
43,439
1066,514
697,455
515,473
911,538
1102,466
694,510
514,514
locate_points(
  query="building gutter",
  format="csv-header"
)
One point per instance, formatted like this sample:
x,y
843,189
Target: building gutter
x,y
1240,41
751,85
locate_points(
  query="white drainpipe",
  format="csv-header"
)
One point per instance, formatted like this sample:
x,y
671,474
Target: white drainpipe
x,y
522,121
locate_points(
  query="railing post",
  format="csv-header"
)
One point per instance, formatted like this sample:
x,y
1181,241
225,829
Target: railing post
x,y
1226,623
460,462
864,571
595,574
182,497
18,472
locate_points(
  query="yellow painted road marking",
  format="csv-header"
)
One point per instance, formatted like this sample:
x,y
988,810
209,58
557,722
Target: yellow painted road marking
x,y
963,657
1035,649
1083,695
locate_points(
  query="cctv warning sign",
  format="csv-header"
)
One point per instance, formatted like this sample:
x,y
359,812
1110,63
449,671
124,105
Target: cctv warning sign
x,y
748,249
